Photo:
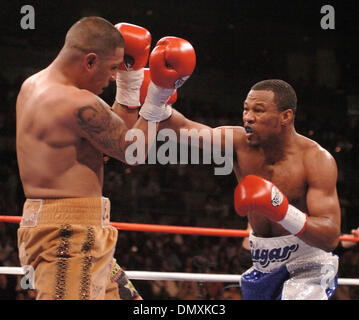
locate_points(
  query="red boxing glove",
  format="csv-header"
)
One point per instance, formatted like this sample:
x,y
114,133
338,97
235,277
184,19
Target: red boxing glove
x,y
129,78
137,46
172,62
144,89
255,194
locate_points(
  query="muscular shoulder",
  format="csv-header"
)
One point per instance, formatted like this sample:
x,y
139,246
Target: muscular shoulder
x,y
37,92
240,141
63,101
82,107
237,133
65,106
319,164
314,151
234,135
80,98
69,96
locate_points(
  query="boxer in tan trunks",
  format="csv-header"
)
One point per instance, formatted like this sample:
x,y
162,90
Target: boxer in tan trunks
x,y
63,129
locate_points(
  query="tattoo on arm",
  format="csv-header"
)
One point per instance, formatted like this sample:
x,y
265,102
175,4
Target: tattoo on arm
x,y
101,125
93,119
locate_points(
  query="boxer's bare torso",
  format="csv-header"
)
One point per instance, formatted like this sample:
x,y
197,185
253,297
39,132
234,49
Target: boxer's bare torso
x,y
62,130
299,167
53,159
289,171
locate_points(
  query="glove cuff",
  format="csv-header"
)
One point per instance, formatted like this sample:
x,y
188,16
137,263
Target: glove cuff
x,y
155,114
295,221
128,85
155,108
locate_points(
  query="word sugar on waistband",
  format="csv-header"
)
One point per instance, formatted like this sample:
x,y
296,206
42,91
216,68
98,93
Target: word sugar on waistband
x,y
212,142
266,256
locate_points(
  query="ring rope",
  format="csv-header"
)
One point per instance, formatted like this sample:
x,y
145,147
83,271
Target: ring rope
x,y
215,232
177,276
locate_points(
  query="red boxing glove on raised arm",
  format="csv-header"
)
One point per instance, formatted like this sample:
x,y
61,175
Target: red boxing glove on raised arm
x,y
130,77
172,62
255,194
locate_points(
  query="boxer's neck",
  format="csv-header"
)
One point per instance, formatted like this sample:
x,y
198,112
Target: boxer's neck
x,y
68,66
277,148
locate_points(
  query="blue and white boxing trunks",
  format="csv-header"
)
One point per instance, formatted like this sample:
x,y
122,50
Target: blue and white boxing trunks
x,y
286,268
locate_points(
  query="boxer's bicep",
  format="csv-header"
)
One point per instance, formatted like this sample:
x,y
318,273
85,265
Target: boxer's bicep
x,y
101,127
196,133
187,131
323,208
177,122
322,200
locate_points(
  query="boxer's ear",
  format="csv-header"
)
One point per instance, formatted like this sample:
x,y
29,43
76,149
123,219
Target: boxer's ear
x,y
287,117
90,60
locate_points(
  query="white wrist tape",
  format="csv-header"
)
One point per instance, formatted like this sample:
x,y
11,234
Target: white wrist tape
x,y
155,108
294,221
128,85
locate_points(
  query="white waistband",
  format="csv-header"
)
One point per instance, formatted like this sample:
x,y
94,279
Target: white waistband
x,y
271,253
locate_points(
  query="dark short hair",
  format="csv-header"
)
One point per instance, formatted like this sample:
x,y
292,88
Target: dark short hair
x,y
284,94
94,34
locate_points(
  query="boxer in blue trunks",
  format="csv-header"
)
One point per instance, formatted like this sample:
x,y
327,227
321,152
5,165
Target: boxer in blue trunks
x,y
286,268
287,189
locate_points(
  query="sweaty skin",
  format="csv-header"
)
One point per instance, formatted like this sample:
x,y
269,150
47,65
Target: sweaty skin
x,y
304,171
63,131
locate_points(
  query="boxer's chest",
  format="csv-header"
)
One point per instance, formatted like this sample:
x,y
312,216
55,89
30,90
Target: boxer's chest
x,y
288,174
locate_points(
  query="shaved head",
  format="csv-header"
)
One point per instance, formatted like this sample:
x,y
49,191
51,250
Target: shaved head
x,y
94,34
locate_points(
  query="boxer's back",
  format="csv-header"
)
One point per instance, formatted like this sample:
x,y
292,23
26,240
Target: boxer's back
x,y
54,162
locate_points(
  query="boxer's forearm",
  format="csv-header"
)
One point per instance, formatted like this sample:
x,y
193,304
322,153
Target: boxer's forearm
x,y
128,115
322,233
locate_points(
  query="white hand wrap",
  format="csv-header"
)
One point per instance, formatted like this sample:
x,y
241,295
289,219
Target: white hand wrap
x,y
294,221
155,108
128,87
